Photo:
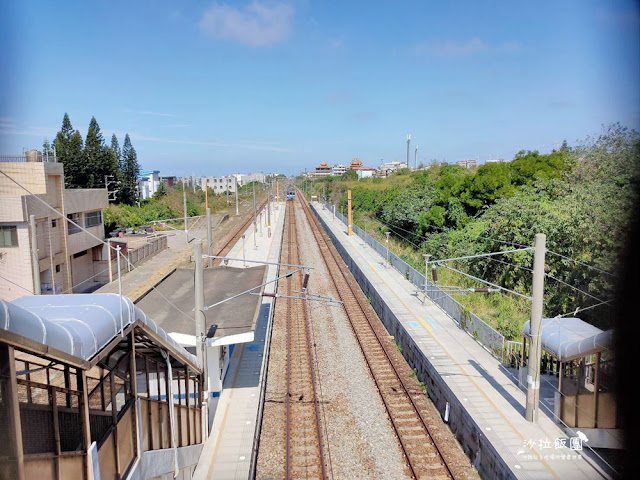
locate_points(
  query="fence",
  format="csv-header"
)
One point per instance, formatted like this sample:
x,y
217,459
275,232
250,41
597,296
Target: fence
x,y
486,335
135,255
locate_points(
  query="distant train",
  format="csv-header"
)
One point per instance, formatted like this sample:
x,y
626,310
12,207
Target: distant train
x,y
291,194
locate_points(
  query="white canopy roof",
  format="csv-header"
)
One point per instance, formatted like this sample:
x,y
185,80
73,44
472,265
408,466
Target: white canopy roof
x,y
571,338
80,325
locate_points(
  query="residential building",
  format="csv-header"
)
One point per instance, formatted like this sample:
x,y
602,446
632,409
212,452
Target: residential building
x,y
467,163
388,168
244,178
148,183
495,160
65,256
366,173
338,170
223,184
168,181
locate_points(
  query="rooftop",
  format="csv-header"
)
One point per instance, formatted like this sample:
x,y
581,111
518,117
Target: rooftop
x,y
235,317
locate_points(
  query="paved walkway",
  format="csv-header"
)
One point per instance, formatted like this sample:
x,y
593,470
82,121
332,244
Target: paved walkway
x,y
178,252
487,391
227,453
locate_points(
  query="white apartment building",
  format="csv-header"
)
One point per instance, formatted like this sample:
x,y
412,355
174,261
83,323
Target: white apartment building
x,y
244,178
148,183
223,184
388,168
339,169
65,255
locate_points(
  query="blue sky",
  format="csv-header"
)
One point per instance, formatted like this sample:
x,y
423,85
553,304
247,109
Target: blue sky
x,y
214,88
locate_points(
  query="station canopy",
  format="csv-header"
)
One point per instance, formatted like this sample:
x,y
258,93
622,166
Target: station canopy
x,y
571,338
80,325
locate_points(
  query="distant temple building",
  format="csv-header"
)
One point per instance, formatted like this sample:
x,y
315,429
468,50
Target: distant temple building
x,y
356,164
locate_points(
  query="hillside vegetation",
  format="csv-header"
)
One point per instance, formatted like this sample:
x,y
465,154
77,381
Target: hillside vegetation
x,y
581,197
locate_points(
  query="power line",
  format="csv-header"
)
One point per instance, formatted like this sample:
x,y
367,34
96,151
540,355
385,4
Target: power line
x,y
92,235
448,230
581,263
487,283
576,288
480,255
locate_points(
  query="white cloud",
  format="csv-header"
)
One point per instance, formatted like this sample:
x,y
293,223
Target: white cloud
x,y
256,25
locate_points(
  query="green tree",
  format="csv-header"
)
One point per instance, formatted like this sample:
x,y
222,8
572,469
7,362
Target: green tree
x,y
130,170
68,144
100,161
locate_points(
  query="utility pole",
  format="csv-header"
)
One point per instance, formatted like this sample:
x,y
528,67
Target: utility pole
x,y
269,205
209,240
426,270
35,263
535,321
416,159
243,251
349,212
236,183
199,301
184,201
408,144
206,194
255,220
387,234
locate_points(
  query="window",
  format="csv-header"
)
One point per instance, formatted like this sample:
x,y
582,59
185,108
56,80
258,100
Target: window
x,y
8,236
76,218
57,268
80,254
54,223
92,219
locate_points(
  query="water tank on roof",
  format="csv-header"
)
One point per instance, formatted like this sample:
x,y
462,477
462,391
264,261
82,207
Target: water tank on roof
x,y
33,156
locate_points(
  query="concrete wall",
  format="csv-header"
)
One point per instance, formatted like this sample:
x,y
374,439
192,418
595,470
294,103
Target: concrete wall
x,y
468,433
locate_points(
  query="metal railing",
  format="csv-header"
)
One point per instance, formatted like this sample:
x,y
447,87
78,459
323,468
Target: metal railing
x,y
483,333
35,157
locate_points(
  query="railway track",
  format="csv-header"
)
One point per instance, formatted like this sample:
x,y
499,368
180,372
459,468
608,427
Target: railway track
x,y
423,457
304,448
226,248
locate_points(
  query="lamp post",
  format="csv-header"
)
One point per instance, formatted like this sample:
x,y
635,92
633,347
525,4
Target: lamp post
x,y
244,262
387,234
236,184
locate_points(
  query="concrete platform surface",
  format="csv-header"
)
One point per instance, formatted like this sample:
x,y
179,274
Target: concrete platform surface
x,y
228,451
478,380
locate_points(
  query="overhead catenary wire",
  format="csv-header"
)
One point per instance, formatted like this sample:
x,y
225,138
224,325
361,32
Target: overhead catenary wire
x,y
480,255
92,235
580,263
486,282
509,373
479,362
447,230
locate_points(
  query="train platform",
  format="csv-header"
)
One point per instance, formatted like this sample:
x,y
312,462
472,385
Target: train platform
x,y
476,380
229,449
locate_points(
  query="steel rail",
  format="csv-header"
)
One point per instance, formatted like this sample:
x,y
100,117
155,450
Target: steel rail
x,y
317,229
294,255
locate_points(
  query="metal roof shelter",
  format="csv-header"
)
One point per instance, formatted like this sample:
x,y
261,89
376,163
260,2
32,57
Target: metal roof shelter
x,y
78,325
579,354
90,385
234,320
571,338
